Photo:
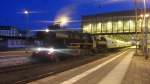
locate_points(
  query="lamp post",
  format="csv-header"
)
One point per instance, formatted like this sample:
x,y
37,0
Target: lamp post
x,y
26,13
145,30
63,21
136,19
144,26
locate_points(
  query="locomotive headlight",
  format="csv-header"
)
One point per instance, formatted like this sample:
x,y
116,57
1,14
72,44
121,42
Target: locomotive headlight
x,y
39,49
51,50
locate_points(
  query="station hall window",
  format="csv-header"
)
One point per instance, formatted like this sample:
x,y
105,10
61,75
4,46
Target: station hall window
x,y
126,26
99,27
120,26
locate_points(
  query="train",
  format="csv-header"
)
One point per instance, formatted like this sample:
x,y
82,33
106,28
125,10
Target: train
x,y
72,44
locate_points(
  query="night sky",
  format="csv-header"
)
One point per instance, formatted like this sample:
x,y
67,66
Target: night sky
x,y
49,10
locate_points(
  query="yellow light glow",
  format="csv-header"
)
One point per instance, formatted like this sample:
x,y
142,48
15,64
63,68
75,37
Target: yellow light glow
x,y
120,26
90,28
63,20
90,25
99,27
132,25
146,15
119,22
86,29
130,21
109,24
141,15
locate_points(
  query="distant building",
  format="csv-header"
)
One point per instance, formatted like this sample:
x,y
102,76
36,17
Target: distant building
x,y
9,31
11,37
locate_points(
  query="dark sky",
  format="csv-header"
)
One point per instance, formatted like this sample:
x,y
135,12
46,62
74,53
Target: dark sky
x,y
48,10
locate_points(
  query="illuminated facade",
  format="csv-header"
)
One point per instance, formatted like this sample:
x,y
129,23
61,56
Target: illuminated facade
x,y
114,23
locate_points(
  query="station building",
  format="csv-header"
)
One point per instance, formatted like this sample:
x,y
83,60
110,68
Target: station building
x,y
123,22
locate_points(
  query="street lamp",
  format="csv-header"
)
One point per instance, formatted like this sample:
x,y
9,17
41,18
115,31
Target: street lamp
x,y
47,30
146,15
145,30
26,13
63,20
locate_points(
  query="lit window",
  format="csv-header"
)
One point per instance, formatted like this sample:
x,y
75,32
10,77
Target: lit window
x,y
109,27
149,24
99,27
126,26
120,26
132,25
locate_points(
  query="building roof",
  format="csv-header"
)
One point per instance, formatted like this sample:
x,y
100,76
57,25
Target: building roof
x,y
7,27
117,13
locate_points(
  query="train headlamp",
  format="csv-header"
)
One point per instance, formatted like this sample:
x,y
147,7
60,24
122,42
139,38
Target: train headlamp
x,y
39,49
51,50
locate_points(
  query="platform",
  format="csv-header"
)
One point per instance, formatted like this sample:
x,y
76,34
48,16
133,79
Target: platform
x,y
120,68
138,71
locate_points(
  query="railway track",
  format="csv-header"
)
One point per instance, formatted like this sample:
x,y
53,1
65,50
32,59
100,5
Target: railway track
x,y
19,67
15,74
14,61
28,72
